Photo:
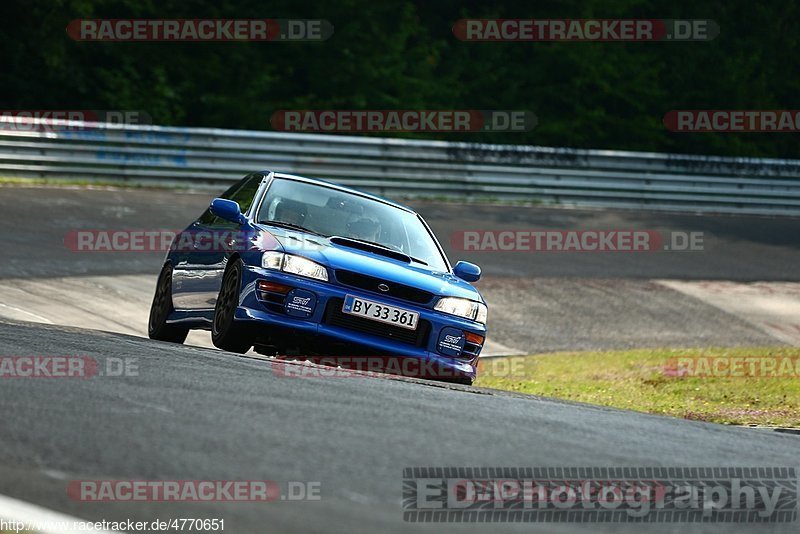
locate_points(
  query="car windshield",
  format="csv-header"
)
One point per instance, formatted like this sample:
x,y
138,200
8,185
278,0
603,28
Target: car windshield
x,y
331,212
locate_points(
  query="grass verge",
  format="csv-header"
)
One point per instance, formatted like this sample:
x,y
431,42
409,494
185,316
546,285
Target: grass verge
x,y
742,386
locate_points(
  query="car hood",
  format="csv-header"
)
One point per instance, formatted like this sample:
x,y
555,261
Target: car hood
x,y
336,256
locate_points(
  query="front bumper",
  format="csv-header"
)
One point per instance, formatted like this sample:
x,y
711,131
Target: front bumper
x,y
325,322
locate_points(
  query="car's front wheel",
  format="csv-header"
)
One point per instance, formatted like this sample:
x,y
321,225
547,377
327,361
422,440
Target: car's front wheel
x,y
226,333
157,327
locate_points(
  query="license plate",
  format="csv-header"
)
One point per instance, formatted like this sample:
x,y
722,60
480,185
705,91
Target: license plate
x,y
380,312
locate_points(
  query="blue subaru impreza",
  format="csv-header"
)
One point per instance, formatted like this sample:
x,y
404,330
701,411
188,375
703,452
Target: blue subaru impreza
x,y
299,267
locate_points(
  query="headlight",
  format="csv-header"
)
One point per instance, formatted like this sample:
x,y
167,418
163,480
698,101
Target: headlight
x,y
483,313
469,309
272,260
298,265
303,267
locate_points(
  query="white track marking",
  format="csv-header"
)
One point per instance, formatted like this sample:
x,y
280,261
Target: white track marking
x,y
773,307
493,349
38,318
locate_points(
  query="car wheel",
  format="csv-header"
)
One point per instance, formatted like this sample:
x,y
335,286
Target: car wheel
x,y
157,327
226,333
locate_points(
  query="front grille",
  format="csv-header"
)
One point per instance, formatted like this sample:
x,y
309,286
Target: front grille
x,y
335,317
370,283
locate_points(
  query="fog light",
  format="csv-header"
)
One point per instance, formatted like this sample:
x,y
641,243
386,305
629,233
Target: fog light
x,y
273,287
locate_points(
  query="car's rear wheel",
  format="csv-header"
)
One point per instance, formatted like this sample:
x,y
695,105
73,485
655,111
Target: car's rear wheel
x,y
161,308
226,333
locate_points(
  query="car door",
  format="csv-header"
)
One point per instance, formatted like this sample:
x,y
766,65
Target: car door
x,y
197,271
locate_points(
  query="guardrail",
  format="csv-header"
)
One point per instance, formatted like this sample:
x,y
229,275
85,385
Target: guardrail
x,y
404,168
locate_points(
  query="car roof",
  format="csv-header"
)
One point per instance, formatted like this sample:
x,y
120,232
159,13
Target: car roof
x,y
338,187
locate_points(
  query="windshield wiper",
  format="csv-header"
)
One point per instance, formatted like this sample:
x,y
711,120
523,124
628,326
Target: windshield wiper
x,y
292,226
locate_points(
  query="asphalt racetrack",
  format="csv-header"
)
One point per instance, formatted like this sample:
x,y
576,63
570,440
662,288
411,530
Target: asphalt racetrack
x,y
199,414
194,413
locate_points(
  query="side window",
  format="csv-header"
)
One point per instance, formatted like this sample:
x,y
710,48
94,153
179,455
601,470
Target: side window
x,y
246,191
242,192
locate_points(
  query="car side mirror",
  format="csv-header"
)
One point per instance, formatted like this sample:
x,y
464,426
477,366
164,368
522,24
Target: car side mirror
x,y
228,210
467,271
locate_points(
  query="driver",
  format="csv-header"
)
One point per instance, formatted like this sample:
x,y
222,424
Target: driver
x,y
364,228
290,211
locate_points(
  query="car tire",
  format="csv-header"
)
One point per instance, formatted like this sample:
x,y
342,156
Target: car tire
x,y
160,310
226,333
